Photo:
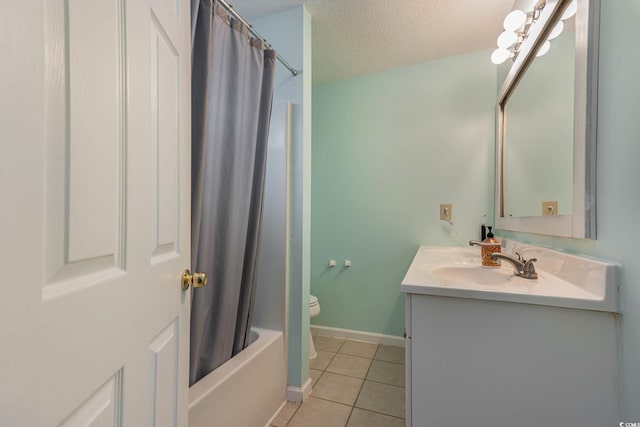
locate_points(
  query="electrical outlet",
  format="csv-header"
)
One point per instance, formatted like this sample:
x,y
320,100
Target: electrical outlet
x,y
445,212
550,208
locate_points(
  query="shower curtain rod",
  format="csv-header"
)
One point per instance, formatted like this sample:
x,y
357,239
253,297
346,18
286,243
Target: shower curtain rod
x,y
236,15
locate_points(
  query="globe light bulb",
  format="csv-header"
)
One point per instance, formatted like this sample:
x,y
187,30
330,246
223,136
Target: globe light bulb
x,y
506,39
570,11
556,30
499,56
514,20
544,48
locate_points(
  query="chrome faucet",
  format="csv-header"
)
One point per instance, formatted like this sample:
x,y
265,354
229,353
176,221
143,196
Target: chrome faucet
x,y
522,267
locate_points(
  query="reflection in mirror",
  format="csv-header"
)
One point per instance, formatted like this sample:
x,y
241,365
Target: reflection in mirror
x,y
547,126
538,134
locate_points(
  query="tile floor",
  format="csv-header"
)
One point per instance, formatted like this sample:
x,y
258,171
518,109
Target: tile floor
x,y
355,384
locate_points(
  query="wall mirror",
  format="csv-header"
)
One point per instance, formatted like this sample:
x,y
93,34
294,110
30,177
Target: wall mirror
x,y
547,125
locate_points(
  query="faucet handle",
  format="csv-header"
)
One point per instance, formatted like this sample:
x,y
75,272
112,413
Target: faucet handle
x,y
529,270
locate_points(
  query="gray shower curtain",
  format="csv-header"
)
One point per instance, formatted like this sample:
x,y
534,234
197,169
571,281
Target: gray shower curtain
x,y
232,90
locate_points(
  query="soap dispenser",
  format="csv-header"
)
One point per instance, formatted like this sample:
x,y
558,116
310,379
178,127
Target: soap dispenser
x,y
490,245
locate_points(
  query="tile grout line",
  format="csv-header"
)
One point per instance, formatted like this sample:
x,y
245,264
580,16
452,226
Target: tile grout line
x,y
349,417
350,406
293,415
329,363
358,395
380,382
353,406
363,381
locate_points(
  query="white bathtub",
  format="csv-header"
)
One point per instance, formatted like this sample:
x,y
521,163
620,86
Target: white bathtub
x,y
247,390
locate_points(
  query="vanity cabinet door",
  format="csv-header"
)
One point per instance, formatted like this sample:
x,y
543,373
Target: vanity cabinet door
x,y
498,364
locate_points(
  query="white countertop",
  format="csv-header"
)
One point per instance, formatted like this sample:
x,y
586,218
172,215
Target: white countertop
x,y
564,280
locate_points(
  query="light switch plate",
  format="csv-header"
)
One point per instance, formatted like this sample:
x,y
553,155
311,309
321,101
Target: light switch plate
x,y
446,212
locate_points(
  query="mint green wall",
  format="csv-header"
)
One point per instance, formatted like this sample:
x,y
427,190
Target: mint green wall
x,y
618,175
290,33
388,148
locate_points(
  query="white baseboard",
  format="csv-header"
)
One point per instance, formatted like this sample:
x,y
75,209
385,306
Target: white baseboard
x,y
357,335
299,394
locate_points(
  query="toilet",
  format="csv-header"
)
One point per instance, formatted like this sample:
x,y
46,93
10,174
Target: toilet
x,y
314,310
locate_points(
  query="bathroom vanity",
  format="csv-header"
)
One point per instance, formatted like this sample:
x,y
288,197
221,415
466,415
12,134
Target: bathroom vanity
x,y
486,348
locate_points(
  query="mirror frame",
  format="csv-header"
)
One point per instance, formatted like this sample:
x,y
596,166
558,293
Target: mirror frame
x,y
582,223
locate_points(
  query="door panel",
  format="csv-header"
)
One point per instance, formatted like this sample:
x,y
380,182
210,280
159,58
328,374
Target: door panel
x,y
102,409
164,350
85,143
95,212
95,61
165,131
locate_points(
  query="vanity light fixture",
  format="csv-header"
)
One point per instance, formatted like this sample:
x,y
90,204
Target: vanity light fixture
x,y
517,25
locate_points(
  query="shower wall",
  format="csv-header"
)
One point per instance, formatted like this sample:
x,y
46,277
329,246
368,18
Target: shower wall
x,y
270,305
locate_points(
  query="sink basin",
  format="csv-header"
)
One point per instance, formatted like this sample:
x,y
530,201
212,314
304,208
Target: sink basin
x,y
479,275
564,280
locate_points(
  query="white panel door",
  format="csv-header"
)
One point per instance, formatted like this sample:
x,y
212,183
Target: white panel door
x,y
94,212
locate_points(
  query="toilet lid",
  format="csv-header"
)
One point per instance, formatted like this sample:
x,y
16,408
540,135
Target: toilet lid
x,y
313,300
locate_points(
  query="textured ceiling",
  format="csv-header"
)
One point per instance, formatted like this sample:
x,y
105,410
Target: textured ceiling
x,y
355,37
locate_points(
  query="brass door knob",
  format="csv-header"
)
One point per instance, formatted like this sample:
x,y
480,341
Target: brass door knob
x,y
197,280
